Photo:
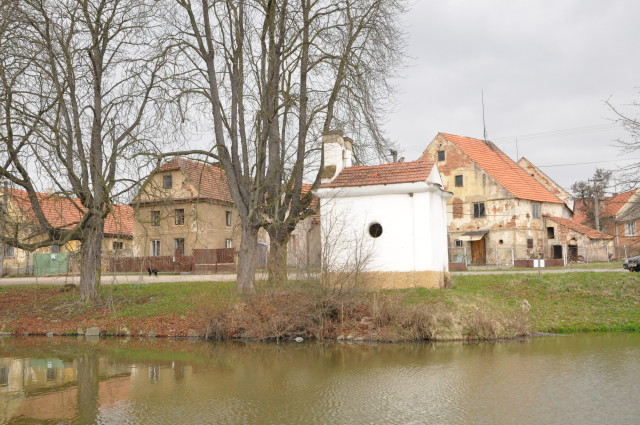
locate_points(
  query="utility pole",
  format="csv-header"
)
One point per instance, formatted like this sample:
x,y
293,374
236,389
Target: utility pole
x,y
596,206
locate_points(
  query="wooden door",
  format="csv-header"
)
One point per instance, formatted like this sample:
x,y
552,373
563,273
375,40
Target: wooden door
x,y
478,253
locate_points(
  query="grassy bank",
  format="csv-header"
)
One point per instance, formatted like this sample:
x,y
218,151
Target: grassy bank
x,y
477,307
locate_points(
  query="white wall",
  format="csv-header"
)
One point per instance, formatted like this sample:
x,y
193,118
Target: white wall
x,y
414,236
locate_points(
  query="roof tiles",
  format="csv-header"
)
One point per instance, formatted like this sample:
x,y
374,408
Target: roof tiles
x,y
580,228
210,180
393,173
502,168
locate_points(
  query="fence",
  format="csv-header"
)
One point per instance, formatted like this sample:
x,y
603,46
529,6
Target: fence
x,y
201,261
214,260
554,255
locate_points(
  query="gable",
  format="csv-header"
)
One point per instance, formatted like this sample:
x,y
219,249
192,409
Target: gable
x,y
500,168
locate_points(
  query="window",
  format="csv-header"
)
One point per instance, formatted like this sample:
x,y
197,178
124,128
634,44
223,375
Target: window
x,y
375,230
178,246
155,218
529,243
478,210
630,228
55,249
167,181
4,376
227,218
441,156
51,374
227,243
458,243
459,181
179,217
535,210
155,248
118,245
9,251
551,233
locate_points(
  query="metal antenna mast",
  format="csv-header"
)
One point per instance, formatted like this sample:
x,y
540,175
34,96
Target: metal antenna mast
x,y
484,125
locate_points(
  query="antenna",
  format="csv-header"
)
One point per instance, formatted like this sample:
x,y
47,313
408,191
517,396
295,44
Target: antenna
x,y
517,153
484,125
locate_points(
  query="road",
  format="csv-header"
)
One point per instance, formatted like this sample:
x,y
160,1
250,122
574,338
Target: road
x,y
230,277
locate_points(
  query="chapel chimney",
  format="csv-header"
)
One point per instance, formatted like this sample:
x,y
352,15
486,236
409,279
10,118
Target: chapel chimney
x,y
337,154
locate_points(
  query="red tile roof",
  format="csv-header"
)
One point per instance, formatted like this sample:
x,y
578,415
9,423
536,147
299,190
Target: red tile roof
x,y
612,205
210,180
64,212
579,211
580,228
393,173
502,168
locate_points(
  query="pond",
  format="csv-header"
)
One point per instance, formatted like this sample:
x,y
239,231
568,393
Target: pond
x,y
579,379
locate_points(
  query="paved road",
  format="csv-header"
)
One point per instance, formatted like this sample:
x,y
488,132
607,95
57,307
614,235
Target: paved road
x,y
229,277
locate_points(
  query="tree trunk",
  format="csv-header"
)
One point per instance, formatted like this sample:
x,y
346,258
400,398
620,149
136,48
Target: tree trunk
x,y
87,369
247,260
90,263
277,264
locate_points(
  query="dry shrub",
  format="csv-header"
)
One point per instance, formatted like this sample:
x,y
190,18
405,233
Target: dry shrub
x,y
486,324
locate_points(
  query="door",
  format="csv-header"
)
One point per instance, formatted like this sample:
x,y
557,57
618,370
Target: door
x,y
478,252
557,252
572,253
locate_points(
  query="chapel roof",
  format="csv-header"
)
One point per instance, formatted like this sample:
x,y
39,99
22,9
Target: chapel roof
x,y
383,174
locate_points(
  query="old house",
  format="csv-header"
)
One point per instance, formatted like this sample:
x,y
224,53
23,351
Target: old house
x,y
187,205
498,209
384,224
620,218
184,205
18,220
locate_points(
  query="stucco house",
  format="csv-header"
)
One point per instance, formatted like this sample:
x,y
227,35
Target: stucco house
x,y
61,212
501,212
620,218
384,224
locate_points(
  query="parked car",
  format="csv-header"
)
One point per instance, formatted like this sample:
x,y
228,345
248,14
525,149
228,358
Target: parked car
x,y
632,264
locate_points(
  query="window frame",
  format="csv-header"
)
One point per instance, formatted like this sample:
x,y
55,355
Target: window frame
x,y
179,216
167,178
155,218
155,243
529,243
9,251
479,212
117,245
441,156
178,244
228,243
227,218
630,228
458,243
536,210
461,181
551,232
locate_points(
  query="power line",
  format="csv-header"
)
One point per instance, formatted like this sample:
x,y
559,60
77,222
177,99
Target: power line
x,y
590,162
576,131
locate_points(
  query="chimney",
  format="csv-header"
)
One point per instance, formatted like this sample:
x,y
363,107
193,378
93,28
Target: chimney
x,y
337,154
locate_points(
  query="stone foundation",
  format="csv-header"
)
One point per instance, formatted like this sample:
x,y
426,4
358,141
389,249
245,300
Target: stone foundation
x,y
401,280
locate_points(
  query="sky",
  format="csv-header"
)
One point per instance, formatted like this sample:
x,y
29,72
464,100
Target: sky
x,y
546,69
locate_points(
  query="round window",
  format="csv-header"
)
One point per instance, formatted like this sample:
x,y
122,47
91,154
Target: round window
x,y
375,230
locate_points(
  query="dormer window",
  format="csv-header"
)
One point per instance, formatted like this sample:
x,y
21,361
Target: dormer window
x,y
167,181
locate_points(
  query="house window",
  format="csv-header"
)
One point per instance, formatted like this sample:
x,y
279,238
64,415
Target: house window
x,y
535,210
375,230
167,181
4,376
529,243
178,246
155,218
51,374
118,245
551,233
155,248
458,243
441,156
227,218
9,251
630,228
179,217
227,243
459,181
478,210
55,249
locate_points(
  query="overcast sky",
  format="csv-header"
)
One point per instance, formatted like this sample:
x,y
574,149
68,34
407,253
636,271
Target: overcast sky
x,y
544,66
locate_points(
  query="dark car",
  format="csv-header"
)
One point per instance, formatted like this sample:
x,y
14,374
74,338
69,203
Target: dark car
x,y
632,264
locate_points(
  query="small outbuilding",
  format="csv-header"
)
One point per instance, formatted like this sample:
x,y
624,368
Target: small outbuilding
x,y
384,225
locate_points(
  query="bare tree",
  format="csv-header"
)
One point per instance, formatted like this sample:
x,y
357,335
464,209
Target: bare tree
x,y
274,75
629,174
77,83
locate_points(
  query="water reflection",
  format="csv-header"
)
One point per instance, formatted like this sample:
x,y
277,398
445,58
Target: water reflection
x,y
584,379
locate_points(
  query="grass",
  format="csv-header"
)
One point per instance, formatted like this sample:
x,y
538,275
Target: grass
x,y
613,265
565,303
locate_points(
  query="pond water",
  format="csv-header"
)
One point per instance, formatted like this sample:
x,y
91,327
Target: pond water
x,y
584,379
